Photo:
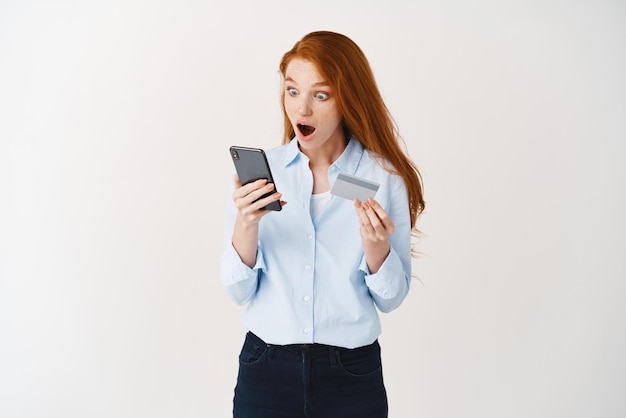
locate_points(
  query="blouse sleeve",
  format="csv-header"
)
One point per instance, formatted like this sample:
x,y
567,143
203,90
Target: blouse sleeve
x,y
238,278
390,284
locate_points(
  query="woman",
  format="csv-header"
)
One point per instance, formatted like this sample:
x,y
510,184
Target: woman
x,y
314,274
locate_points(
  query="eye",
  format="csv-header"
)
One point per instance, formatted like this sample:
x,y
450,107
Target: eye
x,y
321,96
292,91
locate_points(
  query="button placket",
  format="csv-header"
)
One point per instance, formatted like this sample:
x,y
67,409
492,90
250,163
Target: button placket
x,y
308,285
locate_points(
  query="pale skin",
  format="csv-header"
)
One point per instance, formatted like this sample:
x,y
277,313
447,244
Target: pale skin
x,y
312,110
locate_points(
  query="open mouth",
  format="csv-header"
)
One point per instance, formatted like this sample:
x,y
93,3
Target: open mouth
x,y
305,130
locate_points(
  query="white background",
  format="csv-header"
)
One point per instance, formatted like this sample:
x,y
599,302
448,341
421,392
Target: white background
x,y
115,122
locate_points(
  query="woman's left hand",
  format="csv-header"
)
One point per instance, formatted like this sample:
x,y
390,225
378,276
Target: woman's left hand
x,y
376,226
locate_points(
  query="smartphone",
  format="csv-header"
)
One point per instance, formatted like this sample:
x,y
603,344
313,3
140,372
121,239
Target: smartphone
x,y
251,165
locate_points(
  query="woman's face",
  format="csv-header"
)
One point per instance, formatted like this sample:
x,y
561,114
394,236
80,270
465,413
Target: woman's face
x,y
312,110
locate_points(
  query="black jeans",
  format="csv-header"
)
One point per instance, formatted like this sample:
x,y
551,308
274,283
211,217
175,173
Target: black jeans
x,y
309,381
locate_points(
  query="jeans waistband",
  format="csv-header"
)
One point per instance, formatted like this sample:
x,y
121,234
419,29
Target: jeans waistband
x,y
309,348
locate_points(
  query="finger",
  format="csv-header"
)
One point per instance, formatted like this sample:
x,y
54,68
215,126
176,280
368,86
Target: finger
x,y
360,212
247,189
237,181
258,185
255,199
244,200
381,223
256,209
261,203
367,230
376,224
382,215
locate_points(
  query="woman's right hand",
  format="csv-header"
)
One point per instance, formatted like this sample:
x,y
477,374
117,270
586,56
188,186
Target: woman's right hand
x,y
249,211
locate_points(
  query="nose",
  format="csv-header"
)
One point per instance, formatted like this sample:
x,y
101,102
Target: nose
x,y
304,106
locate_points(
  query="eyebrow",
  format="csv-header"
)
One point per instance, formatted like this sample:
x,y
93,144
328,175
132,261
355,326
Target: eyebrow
x,y
320,84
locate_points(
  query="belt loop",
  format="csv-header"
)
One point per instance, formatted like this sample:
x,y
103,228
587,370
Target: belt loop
x,y
270,351
333,353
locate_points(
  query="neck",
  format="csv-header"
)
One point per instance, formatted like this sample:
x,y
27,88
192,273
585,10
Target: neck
x,y
324,157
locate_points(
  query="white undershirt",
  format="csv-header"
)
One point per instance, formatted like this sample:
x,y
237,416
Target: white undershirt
x,y
319,202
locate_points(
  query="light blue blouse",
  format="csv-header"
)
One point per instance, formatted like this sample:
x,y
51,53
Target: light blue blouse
x,y
310,283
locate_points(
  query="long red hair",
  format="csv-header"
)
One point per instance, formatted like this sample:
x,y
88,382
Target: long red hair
x,y
347,71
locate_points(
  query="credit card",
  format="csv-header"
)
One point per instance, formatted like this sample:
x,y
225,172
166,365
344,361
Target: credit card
x,y
353,187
